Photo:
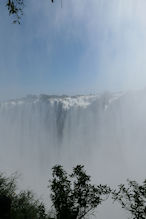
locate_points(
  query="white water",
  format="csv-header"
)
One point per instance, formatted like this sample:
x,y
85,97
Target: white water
x,y
106,133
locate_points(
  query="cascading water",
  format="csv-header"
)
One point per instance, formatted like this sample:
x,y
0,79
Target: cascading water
x,y
106,133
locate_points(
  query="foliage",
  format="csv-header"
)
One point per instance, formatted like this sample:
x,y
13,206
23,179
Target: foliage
x,y
72,195
132,198
15,8
8,185
23,204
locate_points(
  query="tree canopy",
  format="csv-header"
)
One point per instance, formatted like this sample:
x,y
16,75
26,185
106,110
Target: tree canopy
x,y
23,203
132,198
73,195
15,8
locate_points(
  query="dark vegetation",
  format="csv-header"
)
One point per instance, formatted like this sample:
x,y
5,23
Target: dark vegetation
x,y
132,198
15,8
20,205
73,197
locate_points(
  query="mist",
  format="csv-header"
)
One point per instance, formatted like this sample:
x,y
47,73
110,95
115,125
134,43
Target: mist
x,y
104,132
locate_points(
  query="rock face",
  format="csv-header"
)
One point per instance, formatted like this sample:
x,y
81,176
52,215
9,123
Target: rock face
x,y
105,132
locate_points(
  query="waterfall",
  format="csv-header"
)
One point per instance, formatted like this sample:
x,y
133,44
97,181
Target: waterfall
x,y
105,132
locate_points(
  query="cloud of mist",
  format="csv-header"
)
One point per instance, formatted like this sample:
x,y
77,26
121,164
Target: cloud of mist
x,y
114,37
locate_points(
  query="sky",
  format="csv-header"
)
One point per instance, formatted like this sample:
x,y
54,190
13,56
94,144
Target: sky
x,y
87,46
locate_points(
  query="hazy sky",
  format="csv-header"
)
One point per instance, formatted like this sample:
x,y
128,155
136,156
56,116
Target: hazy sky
x,y
84,47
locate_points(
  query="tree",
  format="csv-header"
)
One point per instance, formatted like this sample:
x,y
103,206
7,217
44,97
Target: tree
x,y
25,206
132,198
15,8
23,203
72,195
